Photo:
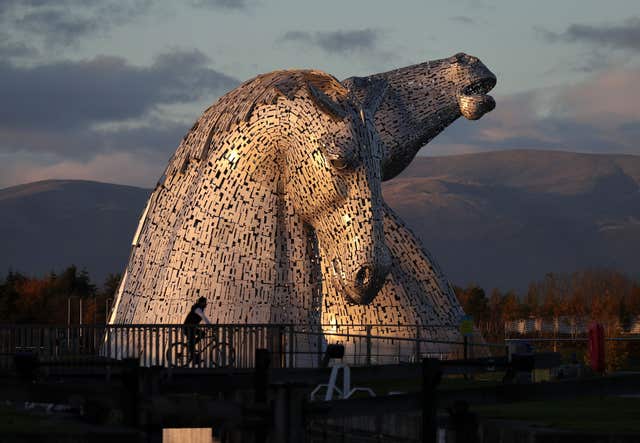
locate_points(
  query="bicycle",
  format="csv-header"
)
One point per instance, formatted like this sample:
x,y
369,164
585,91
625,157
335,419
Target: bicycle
x,y
221,354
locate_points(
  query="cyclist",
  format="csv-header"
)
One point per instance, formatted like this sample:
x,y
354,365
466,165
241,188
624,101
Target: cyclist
x,y
191,331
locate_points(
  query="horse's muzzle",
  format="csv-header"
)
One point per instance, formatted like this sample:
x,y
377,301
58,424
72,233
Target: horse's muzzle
x,y
362,286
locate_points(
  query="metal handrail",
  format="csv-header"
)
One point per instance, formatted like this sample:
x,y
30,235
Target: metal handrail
x,y
294,345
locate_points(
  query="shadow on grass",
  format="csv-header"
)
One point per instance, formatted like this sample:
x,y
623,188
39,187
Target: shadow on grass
x,y
596,414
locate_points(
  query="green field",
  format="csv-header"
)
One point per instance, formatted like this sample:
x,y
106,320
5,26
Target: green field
x,y
595,414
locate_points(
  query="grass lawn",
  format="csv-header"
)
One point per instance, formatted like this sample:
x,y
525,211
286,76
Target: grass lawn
x,y
481,380
599,414
54,428
382,387
16,422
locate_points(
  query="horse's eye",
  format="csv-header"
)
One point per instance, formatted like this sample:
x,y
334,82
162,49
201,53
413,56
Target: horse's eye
x,y
338,163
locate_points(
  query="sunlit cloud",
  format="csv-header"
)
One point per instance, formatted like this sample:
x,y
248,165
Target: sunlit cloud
x,y
585,117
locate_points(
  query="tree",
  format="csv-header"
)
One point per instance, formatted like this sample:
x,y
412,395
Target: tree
x,y
531,305
111,285
510,307
474,302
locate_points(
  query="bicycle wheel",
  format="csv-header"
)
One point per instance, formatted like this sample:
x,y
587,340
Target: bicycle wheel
x,y
178,355
222,356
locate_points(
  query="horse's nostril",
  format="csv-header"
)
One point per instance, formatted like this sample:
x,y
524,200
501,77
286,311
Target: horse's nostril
x,y
364,276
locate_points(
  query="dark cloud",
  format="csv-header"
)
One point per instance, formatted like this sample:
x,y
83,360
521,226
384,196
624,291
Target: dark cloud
x,y
299,36
222,4
8,6
463,19
97,118
622,36
66,22
347,41
632,128
160,136
11,49
338,42
60,28
157,135
104,89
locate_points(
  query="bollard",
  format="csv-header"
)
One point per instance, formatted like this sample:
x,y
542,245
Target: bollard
x,y
260,386
596,348
131,380
430,379
261,376
463,422
281,406
26,364
521,361
288,419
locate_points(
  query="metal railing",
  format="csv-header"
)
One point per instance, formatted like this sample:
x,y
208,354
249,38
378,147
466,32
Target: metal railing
x,y
233,345
621,353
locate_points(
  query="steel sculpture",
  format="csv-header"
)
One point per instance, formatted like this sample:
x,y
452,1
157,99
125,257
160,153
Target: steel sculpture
x,y
271,207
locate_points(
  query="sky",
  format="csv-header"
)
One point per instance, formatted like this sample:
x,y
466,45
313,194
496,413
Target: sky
x,y
105,90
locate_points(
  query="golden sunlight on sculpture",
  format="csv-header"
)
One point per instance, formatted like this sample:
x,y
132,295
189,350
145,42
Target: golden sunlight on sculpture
x,y
272,209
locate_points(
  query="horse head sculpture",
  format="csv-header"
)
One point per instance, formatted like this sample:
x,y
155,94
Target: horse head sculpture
x,y
417,102
333,180
272,207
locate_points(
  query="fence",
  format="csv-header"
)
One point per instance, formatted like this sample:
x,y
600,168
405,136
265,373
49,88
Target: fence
x,y
563,326
567,326
292,346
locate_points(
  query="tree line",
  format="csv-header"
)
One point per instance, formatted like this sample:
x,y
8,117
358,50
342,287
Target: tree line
x,y
55,297
602,295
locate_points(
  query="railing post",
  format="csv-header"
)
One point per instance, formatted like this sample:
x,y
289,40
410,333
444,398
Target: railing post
x,y
319,346
368,360
281,348
466,348
430,380
418,350
292,347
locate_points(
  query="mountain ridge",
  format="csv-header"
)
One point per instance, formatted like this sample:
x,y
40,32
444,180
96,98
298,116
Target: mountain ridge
x,y
499,219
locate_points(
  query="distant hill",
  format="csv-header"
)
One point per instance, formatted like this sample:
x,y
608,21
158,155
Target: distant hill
x,y
49,225
500,219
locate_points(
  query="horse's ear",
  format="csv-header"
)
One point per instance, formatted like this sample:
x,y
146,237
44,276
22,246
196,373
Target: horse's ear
x,y
325,102
369,92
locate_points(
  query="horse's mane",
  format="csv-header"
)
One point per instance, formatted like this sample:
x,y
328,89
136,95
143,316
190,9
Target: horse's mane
x,y
238,106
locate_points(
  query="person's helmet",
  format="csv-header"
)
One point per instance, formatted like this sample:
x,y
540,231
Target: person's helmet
x,y
202,300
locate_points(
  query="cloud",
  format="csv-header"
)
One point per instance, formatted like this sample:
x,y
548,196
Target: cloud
x,y
620,36
338,42
222,4
134,168
11,49
73,94
463,19
59,27
61,115
479,5
632,127
66,23
111,155
597,115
